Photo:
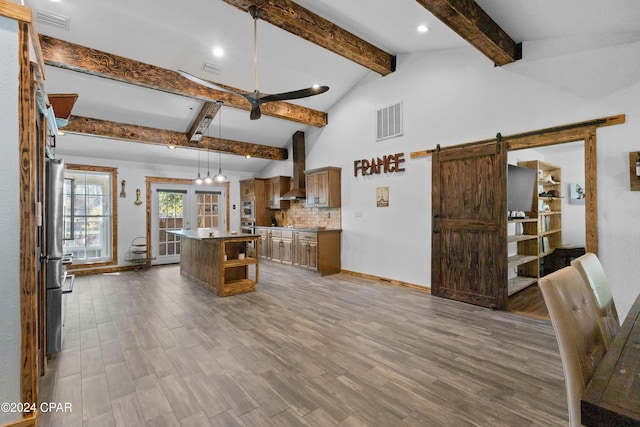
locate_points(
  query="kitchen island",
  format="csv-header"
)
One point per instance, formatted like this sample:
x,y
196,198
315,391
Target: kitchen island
x,y
221,261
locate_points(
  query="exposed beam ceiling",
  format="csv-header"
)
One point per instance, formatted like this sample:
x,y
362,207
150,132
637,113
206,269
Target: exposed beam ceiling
x,y
303,23
203,120
70,56
474,25
147,135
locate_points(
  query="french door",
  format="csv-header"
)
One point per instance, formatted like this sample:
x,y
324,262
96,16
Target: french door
x,y
188,207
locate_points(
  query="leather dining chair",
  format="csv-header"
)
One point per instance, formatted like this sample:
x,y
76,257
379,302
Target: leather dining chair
x,y
575,321
593,274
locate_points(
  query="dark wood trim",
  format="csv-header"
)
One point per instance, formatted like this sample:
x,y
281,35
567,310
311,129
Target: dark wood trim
x,y
15,11
305,24
114,214
69,56
114,269
208,111
473,24
393,282
28,223
541,137
148,135
591,182
28,421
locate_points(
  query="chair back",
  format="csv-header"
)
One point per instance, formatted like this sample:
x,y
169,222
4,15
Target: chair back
x,y
593,274
575,320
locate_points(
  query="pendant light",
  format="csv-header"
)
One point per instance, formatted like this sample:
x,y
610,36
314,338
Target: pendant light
x,y
208,179
198,180
219,177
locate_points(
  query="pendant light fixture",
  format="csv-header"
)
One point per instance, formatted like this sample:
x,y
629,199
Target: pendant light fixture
x,y
219,177
208,179
198,180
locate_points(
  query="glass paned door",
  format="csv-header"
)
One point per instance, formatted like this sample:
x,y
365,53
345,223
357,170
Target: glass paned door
x,y
208,209
170,217
176,207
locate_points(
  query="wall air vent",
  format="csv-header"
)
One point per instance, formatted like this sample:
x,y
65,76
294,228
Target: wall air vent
x,y
389,122
53,19
212,68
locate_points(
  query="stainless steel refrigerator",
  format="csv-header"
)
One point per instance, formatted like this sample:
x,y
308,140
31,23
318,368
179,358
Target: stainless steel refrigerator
x,y
55,258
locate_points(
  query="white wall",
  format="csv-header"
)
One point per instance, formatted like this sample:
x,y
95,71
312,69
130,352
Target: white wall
x,y
131,217
457,96
10,335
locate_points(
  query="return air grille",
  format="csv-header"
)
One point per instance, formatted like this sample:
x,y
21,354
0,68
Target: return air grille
x,y
53,19
212,68
389,122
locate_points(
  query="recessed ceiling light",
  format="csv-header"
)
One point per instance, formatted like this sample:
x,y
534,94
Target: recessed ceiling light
x,y
423,28
316,86
61,133
248,156
171,147
55,1
218,52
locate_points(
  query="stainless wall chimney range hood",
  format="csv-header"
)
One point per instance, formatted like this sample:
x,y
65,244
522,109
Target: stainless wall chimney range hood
x,y
298,191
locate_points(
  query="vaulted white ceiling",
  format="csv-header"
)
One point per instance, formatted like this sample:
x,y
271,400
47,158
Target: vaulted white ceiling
x,y
181,35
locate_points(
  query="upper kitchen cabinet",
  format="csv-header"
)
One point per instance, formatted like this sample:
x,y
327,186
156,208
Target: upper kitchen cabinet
x,y
247,189
323,187
275,188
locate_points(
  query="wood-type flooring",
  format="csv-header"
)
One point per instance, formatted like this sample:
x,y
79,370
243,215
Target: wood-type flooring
x,y
151,348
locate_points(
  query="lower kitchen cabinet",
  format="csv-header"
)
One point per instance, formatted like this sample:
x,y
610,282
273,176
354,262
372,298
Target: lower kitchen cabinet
x,y
317,250
282,246
306,250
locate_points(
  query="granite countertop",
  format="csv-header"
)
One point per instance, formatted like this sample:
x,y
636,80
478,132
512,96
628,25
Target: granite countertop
x,y
205,234
309,229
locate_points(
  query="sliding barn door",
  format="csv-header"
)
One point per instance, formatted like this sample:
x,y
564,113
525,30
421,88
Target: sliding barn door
x,y
469,234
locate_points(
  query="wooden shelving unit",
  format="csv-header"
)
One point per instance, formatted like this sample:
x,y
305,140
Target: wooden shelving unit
x,y
542,231
238,275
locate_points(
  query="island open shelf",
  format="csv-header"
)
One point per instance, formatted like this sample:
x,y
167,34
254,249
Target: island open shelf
x,y
223,262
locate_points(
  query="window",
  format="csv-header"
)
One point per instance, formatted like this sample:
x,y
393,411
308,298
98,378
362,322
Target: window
x,y
90,214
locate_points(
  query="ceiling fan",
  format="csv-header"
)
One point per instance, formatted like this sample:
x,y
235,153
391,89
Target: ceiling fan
x,y
256,98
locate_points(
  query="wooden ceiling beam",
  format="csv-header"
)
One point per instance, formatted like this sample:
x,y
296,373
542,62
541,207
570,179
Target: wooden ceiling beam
x,y
203,120
473,24
148,135
74,57
303,23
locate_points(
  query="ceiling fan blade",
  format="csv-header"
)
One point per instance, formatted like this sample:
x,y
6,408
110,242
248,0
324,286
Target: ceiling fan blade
x,y
206,83
296,94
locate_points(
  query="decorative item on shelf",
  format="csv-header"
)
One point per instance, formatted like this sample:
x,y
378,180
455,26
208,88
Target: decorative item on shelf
x,y
219,177
138,202
634,170
241,252
122,192
577,193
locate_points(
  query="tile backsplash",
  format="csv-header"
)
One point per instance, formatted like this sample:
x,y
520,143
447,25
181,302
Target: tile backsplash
x,y
300,216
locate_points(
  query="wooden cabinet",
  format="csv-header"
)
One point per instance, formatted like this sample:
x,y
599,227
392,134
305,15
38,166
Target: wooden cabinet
x,y
306,250
247,189
282,246
265,242
316,250
275,188
254,190
540,234
323,187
